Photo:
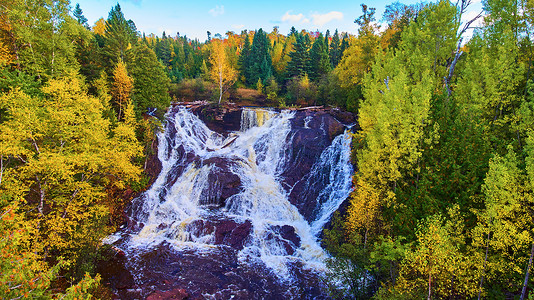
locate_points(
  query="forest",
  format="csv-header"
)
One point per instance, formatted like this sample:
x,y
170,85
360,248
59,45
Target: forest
x,y
443,201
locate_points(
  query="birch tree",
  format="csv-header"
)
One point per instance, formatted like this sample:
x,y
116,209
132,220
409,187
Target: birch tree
x,y
221,71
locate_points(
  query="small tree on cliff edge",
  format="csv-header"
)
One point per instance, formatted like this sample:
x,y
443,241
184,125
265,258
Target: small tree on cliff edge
x,y
221,70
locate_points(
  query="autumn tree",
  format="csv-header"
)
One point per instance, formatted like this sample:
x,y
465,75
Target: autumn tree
x,y
60,155
221,72
121,87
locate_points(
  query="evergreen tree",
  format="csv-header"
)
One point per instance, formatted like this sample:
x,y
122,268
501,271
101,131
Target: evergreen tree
x,y
259,64
293,31
335,50
327,40
78,14
244,59
119,37
300,59
320,62
150,80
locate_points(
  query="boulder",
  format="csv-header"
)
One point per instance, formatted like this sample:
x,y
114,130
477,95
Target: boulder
x,y
222,119
289,238
232,234
222,181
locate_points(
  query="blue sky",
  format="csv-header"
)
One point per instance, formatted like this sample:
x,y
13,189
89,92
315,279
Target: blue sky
x,y
193,18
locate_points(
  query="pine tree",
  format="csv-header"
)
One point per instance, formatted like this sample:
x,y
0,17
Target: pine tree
x,y
78,14
300,59
259,64
244,60
320,63
119,37
151,83
335,51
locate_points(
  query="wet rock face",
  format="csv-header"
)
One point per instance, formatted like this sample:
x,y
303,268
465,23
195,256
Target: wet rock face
x,y
179,294
221,119
232,234
165,274
225,183
287,237
313,131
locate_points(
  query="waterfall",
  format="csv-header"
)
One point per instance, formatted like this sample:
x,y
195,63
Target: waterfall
x,y
213,187
333,169
251,117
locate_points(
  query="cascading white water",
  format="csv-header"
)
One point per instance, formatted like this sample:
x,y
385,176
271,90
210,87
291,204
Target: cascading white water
x,y
334,164
258,155
255,117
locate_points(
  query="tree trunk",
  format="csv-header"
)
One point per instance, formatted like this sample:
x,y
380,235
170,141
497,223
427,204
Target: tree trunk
x,y
452,287
1,168
41,196
484,268
524,291
220,87
457,55
429,286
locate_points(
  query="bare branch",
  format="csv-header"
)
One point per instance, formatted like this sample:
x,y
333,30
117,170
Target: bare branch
x,y
35,145
22,159
468,24
5,213
457,55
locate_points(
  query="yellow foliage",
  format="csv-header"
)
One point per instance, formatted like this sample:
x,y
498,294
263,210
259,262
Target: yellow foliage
x,y
122,86
100,26
63,151
364,210
357,60
221,71
6,56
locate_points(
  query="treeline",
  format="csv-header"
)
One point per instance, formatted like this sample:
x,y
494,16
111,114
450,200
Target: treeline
x,y
285,69
444,192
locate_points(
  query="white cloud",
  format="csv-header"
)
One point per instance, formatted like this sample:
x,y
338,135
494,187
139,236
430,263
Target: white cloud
x,y
217,10
288,17
321,19
238,26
